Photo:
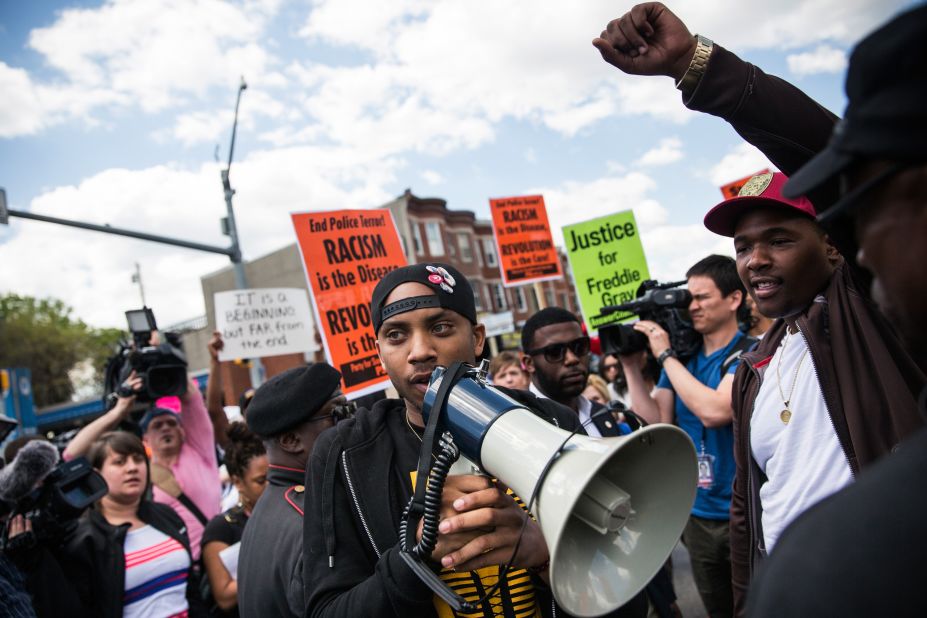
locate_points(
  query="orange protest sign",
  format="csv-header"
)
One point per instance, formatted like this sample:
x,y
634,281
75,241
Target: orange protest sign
x,y
345,253
523,240
731,189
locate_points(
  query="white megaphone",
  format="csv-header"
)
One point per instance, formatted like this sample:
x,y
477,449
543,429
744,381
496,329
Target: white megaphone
x,y
610,509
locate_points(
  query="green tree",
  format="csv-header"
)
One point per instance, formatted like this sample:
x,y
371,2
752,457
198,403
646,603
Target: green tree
x,y
43,335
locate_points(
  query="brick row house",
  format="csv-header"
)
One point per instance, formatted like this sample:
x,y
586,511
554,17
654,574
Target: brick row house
x,y
432,232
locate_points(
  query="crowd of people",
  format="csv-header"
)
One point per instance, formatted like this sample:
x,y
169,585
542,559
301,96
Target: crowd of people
x,y
804,399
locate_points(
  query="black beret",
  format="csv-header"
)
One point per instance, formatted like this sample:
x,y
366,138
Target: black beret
x,y
451,291
291,398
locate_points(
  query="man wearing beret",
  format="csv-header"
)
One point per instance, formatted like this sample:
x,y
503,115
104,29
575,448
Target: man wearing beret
x,y
360,476
289,412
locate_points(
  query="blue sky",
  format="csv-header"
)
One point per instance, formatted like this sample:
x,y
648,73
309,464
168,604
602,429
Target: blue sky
x,y
113,110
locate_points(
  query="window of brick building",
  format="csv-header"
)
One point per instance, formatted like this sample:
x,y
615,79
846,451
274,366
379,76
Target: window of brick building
x,y
463,241
499,297
417,239
520,300
435,241
490,249
477,298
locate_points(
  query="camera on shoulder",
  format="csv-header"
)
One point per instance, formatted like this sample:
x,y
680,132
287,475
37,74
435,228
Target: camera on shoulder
x,y
162,366
663,303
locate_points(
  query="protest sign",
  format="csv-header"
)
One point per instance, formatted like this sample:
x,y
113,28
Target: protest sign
x,y
732,189
608,264
264,322
523,240
498,323
345,253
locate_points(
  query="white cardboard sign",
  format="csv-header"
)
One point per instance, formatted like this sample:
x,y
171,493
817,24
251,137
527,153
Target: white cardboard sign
x,y
498,323
264,322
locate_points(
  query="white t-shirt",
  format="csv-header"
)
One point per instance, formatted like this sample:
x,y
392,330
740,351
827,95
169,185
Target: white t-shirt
x,y
157,567
802,460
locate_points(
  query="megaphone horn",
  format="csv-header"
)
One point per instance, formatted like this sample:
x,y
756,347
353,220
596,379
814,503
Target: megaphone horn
x,y
611,509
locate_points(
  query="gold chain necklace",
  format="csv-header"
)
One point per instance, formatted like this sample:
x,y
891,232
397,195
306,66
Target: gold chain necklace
x,y
786,415
415,433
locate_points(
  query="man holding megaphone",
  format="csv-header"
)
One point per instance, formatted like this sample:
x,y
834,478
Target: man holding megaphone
x,y
362,474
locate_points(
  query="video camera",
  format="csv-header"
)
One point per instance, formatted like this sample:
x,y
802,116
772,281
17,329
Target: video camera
x,y
65,490
660,303
162,367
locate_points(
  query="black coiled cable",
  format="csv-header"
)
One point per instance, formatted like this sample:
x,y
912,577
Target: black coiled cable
x,y
433,490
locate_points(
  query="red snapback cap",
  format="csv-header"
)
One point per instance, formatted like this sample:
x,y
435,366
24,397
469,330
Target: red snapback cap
x,y
761,190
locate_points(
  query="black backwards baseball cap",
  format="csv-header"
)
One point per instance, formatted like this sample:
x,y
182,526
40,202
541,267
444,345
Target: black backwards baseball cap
x,y
886,115
451,291
291,398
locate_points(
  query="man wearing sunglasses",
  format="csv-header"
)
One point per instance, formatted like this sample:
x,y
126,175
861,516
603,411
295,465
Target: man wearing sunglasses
x,y
557,358
696,393
289,411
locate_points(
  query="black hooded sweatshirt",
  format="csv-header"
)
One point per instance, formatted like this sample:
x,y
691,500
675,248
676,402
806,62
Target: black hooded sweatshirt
x,y
358,485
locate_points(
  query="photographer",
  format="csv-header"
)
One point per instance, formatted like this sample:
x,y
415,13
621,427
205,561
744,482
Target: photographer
x,y
128,555
699,393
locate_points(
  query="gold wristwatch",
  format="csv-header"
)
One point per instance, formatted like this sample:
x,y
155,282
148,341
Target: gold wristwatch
x,y
697,66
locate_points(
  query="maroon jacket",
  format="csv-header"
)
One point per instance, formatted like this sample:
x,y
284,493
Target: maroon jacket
x,y
869,382
870,387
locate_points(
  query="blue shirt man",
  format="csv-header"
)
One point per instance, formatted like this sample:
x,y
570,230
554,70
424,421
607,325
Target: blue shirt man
x,y
713,499
696,395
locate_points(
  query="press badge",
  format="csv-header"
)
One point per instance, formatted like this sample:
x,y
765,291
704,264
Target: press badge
x,y
706,464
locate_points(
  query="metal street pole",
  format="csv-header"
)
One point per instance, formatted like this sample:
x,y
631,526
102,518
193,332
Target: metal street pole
x,y
231,229
137,278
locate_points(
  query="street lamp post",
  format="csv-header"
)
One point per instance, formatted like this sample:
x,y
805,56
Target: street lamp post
x,y
231,230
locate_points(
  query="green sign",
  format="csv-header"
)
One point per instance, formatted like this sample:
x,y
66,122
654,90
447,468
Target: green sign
x,y
608,264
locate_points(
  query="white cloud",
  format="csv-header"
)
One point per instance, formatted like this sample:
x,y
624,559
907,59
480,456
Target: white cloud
x,y
668,151
432,177
787,24
20,113
439,76
150,54
742,160
823,59
572,201
671,249
92,271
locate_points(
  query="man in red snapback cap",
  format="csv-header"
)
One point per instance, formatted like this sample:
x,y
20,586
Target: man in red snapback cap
x,y
804,401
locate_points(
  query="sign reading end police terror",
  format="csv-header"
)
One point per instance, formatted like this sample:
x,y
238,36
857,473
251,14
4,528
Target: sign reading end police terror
x,y
608,264
345,253
264,322
523,240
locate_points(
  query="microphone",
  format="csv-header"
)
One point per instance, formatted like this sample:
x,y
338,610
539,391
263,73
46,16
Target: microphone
x,y
32,464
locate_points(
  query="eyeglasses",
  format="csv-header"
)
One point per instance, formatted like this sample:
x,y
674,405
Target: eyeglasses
x,y
556,352
338,413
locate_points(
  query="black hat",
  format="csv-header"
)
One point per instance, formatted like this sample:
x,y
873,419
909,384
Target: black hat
x,y
291,398
451,291
886,115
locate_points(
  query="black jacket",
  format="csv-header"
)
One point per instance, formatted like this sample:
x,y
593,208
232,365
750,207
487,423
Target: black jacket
x,y
352,559
270,566
93,558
